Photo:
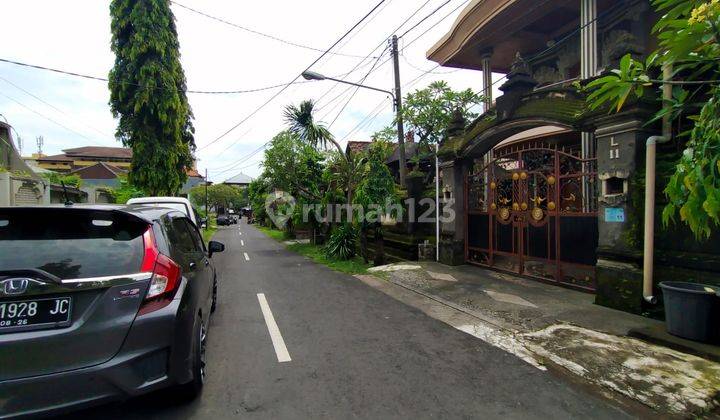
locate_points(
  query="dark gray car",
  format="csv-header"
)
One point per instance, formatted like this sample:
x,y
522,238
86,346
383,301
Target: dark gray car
x,y
100,303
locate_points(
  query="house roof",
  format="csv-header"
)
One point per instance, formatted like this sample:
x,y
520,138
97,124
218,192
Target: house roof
x,y
99,151
62,157
357,146
193,173
240,178
411,149
99,171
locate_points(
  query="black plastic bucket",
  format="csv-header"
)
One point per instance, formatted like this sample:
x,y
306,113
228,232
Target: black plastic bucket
x,y
692,310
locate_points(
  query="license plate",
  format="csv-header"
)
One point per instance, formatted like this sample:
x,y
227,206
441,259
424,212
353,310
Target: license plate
x,y
49,312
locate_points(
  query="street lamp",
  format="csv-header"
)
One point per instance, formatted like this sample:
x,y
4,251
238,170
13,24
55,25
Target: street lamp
x,y
397,104
311,75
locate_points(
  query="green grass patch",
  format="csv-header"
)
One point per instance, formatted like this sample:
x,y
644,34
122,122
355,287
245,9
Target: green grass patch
x,y
208,233
317,254
278,235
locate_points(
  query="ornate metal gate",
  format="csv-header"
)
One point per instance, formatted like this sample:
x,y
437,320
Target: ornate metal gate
x,y
533,210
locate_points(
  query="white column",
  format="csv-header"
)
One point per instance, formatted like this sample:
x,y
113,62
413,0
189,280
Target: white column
x,y
487,80
588,68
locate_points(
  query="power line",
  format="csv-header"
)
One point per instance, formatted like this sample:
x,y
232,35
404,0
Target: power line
x,y
357,66
51,105
425,18
424,70
253,31
356,89
104,79
51,120
383,42
293,80
435,24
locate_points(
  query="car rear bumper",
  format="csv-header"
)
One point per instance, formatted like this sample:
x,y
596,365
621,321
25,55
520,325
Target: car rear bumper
x,y
152,357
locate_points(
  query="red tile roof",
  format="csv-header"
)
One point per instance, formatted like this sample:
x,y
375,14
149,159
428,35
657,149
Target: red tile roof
x,y
100,152
357,146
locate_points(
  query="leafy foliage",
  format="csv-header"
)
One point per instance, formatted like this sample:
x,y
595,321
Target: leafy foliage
x,y
293,165
377,187
428,112
147,95
302,122
341,244
218,195
688,33
257,193
125,191
58,179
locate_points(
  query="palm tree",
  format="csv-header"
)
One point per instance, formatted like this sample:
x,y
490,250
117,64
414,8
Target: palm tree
x,y
302,122
346,167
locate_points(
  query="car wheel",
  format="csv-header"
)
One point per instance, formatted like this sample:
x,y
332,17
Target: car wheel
x,y
214,296
193,389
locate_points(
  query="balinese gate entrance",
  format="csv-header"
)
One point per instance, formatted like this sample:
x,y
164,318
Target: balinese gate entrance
x,y
533,210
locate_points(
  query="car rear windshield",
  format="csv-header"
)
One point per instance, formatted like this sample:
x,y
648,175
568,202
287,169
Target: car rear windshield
x,y
71,243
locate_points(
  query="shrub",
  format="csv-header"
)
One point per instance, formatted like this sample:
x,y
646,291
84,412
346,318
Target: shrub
x,y
341,244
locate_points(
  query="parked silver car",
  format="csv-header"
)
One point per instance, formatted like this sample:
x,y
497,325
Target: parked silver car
x,y
100,303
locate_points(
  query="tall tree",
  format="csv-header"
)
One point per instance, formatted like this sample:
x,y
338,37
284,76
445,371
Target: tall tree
x,y
427,112
376,191
147,95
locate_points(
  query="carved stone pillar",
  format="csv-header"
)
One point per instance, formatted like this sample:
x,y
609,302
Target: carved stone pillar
x,y
452,226
452,230
620,159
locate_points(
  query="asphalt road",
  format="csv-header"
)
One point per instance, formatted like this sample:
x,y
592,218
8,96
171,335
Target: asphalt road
x,y
354,353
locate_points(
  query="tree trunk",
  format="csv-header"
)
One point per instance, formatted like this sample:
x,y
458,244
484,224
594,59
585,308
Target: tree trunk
x,y
379,247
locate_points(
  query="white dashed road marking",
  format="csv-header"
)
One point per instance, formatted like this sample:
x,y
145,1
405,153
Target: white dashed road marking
x,y
278,343
242,243
247,257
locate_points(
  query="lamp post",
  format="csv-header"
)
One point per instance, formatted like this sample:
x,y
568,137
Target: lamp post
x,y
311,75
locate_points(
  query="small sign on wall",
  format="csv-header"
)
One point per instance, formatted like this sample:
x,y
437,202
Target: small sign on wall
x,y
614,214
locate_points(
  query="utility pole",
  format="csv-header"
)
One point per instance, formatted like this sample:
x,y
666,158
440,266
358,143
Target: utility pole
x,y
40,142
207,211
398,110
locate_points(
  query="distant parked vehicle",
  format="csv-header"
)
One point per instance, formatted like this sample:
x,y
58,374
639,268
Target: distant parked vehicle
x,y
100,303
223,220
177,203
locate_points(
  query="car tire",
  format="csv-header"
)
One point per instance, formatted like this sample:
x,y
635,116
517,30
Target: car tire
x,y
213,307
193,389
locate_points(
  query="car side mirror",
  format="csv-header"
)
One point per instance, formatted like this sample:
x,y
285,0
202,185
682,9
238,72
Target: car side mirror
x,y
215,246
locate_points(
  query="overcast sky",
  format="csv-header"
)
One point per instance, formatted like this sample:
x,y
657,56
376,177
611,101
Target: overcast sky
x,y
74,35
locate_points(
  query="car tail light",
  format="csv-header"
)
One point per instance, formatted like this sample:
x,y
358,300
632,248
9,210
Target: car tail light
x,y
165,278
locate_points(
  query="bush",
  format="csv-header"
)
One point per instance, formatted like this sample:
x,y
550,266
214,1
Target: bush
x,y
341,244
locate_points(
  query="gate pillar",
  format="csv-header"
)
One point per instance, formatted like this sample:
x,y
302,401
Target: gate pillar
x,y
620,158
452,230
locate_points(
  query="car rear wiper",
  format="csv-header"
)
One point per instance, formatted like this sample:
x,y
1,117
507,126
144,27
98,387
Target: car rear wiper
x,y
31,272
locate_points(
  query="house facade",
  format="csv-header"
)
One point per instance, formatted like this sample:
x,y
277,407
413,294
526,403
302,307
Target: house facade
x,y
541,185
19,184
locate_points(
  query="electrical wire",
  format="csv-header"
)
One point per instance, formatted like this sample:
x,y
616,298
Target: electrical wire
x,y
356,90
253,31
51,120
52,106
291,82
104,79
425,18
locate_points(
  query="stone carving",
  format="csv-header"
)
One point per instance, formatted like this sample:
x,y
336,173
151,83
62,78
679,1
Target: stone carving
x,y
616,44
568,56
519,66
546,75
457,124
